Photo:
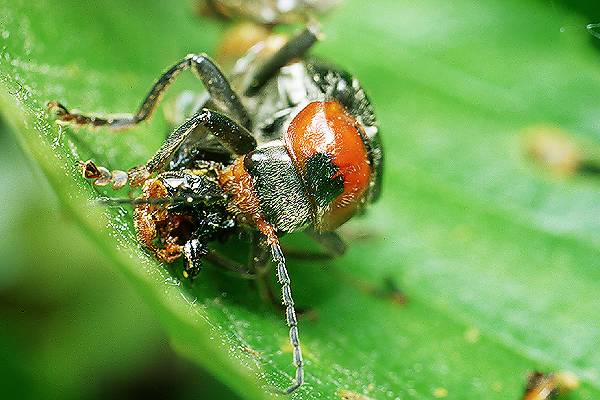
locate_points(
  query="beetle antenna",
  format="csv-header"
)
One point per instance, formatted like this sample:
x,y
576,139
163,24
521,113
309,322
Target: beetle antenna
x,y
290,314
159,201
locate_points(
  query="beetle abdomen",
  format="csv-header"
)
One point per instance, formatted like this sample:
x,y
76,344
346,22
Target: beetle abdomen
x,y
329,149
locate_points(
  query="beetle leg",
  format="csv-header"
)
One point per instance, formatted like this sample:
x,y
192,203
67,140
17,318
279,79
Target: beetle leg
x,y
232,135
294,48
228,265
195,251
331,242
259,262
221,93
260,265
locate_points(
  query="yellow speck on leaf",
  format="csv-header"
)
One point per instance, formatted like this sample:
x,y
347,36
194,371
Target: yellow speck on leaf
x,y
472,335
350,395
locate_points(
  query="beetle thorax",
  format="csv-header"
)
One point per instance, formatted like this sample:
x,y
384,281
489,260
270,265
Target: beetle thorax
x,y
265,187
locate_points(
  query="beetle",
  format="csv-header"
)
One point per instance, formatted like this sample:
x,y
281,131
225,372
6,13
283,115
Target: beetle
x,y
286,143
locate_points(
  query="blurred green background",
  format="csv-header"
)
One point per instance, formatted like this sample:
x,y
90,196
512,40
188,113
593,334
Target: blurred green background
x,y
489,221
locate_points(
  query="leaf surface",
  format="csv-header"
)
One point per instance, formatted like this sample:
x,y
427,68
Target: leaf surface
x,y
498,258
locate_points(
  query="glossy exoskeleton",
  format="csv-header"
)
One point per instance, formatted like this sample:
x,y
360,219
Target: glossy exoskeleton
x,y
290,144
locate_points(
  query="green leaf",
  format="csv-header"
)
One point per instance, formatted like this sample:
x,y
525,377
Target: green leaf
x,y
497,256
